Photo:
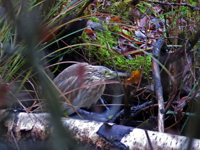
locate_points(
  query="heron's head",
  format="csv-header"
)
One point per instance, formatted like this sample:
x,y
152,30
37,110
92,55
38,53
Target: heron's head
x,y
106,73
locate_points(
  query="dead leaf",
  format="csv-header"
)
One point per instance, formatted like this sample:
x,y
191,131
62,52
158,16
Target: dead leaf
x,y
134,78
115,19
89,32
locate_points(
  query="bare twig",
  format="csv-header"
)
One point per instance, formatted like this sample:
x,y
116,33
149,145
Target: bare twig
x,y
176,4
159,45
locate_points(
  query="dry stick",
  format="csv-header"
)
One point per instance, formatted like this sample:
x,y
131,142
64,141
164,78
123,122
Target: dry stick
x,y
175,4
159,45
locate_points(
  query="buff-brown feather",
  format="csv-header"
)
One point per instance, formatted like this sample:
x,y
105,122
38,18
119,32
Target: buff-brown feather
x,y
78,81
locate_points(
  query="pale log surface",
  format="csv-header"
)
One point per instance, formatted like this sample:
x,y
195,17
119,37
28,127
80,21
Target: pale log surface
x,y
37,126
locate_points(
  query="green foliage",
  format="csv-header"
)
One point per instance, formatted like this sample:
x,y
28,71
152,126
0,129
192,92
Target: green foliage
x,y
13,65
107,40
94,19
119,8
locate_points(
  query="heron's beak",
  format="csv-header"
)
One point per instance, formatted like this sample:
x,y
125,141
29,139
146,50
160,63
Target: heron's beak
x,y
113,74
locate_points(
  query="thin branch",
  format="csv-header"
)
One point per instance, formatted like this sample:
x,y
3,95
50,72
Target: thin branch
x,y
176,4
159,45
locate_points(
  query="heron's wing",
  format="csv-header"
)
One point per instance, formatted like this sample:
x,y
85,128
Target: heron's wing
x,y
71,71
71,79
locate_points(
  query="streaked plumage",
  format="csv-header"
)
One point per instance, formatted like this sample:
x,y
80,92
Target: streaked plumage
x,y
78,75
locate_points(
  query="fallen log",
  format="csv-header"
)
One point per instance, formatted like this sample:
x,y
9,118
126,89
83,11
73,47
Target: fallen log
x,y
99,135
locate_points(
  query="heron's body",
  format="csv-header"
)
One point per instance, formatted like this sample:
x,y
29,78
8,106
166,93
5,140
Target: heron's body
x,y
77,84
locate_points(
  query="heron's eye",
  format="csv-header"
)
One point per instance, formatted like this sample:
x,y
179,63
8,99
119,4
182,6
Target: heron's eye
x,y
106,72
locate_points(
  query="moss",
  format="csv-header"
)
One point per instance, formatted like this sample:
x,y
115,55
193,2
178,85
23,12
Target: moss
x,y
119,8
114,28
94,19
110,39
122,64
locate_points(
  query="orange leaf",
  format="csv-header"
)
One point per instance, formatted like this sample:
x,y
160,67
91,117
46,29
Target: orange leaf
x,y
115,19
134,78
89,32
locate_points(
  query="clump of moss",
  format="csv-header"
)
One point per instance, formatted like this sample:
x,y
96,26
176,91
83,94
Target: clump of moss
x,y
122,63
94,19
107,41
119,8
